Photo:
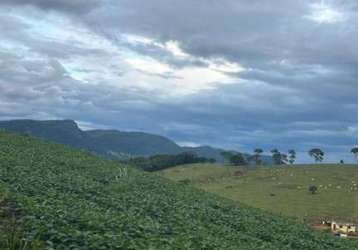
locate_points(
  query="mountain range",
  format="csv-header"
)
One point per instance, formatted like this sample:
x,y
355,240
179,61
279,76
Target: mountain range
x,y
112,143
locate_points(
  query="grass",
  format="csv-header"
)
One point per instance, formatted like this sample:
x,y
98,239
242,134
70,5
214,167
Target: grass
x,y
281,190
69,199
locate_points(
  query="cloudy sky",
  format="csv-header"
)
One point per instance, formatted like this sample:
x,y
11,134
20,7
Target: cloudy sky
x,y
235,74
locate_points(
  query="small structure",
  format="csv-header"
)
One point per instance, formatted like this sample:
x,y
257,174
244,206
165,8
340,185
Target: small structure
x,y
344,227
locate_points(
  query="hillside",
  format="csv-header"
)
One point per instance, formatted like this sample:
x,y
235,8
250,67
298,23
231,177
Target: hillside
x,y
132,143
282,190
112,143
69,199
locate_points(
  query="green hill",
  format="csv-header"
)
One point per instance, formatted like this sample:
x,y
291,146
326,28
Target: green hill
x,y
111,143
68,199
282,190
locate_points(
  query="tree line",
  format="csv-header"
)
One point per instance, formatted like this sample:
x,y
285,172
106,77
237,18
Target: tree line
x,y
160,162
278,158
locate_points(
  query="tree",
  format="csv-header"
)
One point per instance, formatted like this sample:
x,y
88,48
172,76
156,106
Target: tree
x,y
227,156
284,159
312,189
257,156
291,156
159,162
276,156
186,158
354,152
238,160
317,154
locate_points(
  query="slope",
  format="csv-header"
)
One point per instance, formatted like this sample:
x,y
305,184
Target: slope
x,y
69,199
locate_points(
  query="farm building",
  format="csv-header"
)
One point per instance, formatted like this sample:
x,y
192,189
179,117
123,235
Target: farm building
x,y
344,227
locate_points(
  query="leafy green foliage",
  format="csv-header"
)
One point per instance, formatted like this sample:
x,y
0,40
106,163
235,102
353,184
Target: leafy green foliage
x,y
70,199
13,239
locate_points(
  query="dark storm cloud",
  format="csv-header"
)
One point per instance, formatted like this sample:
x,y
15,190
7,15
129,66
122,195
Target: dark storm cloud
x,y
71,6
252,32
298,88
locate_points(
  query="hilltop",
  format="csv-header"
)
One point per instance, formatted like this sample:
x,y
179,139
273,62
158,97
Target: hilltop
x,y
281,190
64,198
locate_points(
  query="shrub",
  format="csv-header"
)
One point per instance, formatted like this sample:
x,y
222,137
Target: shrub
x,y
312,189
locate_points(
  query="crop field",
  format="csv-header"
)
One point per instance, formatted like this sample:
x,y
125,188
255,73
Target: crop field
x,y
281,190
62,198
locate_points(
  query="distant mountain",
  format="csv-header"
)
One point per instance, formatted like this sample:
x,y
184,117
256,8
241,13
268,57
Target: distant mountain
x,y
112,143
132,143
61,131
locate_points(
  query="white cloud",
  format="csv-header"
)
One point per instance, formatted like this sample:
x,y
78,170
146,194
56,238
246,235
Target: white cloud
x,y
148,65
225,66
323,13
174,48
353,129
188,144
180,81
90,126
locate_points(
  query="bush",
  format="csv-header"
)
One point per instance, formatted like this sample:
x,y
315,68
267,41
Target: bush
x,y
160,162
312,189
238,160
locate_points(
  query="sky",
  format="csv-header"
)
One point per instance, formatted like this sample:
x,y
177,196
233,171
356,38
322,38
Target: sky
x,y
235,74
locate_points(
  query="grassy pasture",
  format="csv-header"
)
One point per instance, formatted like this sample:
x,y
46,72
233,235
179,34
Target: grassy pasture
x,y
281,190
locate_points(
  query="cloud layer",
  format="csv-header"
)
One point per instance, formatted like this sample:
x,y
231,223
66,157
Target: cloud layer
x,y
235,74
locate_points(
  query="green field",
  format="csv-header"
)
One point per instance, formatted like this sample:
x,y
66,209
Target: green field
x,y
62,198
281,190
